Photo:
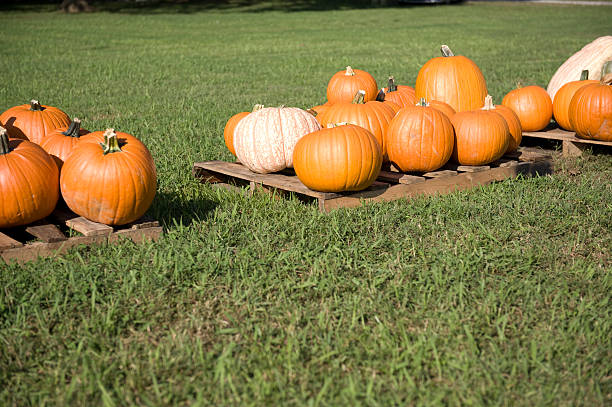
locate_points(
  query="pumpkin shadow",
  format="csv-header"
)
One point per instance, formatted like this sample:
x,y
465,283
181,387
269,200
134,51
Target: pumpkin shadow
x,y
172,210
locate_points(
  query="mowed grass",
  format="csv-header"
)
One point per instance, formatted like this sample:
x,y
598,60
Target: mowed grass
x,y
495,296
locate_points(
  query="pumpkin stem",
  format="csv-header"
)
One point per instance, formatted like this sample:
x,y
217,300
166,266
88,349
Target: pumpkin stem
x,y
584,75
74,130
4,142
359,97
349,71
111,143
488,103
422,102
257,107
332,125
380,97
391,86
35,105
606,73
446,51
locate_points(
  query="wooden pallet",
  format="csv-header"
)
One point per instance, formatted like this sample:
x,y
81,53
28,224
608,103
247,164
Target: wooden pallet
x,y
51,236
390,184
572,145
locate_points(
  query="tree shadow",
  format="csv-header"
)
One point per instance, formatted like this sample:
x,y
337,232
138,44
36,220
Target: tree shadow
x,y
171,210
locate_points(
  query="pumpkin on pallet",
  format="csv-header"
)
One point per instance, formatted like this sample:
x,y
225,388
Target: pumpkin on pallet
x,y
402,95
343,157
564,96
532,105
344,84
60,142
230,126
33,121
29,182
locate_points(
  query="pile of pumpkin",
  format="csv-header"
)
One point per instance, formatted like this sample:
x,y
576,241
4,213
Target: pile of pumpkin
x,y
104,176
341,144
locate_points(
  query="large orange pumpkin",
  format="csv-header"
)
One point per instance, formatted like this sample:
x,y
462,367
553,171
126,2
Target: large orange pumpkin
x,y
420,138
455,80
373,116
33,121
339,158
590,111
564,96
109,178
401,94
60,142
29,182
481,136
230,126
344,84
532,105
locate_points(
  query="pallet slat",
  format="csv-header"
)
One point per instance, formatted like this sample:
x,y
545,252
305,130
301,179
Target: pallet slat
x,y
7,242
46,233
88,228
572,145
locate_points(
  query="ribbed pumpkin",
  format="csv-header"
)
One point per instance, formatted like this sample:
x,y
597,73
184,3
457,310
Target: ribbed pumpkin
x,y
33,121
590,111
373,116
481,136
29,182
401,94
230,126
591,57
341,158
512,120
532,105
344,84
60,142
318,110
451,79
443,107
420,138
265,139
109,177
564,96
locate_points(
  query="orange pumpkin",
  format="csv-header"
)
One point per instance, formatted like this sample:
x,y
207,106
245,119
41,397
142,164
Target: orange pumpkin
x,y
373,116
564,96
481,136
401,94
590,111
60,142
109,177
33,121
230,126
340,158
451,79
29,182
420,138
318,110
344,84
532,105
443,107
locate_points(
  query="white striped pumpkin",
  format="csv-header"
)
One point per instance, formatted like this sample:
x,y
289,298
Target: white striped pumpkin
x,y
264,140
591,57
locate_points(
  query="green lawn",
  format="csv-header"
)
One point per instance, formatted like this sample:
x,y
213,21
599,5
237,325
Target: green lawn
x,y
495,296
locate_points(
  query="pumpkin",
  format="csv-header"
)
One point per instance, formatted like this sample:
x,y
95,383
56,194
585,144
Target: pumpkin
x,y
452,79
513,122
420,138
344,84
373,116
443,107
563,97
591,57
401,94
340,158
481,136
60,142
264,140
109,178
532,105
318,110
590,111
29,182
33,121
230,126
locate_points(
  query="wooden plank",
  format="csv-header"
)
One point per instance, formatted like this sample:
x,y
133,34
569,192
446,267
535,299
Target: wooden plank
x,y
533,154
46,233
7,242
88,228
572,149
398,177
562,135
473,168
440,185
440,173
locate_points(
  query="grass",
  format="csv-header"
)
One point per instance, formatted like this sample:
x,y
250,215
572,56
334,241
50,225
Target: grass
x,y
495,296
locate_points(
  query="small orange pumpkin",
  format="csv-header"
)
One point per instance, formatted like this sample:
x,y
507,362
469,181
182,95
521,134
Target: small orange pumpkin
x,y
401,94
344,84
532,105
60,142
230,126
29,182
563,98
420,138
33,121
341,158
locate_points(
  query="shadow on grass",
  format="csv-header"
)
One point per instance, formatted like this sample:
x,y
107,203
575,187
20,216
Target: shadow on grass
x,y
171,209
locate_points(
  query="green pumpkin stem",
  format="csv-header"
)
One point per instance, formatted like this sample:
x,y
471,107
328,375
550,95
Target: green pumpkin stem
x,y
422,102
446,51
36,106
257,107
74,129
391,86
584,75
488,103
359,97
606,73
4,142
349,71
111,143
